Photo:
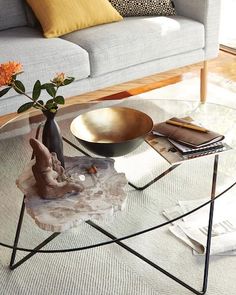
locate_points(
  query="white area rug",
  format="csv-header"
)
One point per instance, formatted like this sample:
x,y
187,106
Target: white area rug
x,y
220,91
111,270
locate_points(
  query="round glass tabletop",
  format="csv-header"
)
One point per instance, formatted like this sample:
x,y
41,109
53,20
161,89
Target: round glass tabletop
x,y
143,211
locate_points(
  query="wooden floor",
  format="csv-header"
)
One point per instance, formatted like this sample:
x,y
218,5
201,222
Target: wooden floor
x,y
224,65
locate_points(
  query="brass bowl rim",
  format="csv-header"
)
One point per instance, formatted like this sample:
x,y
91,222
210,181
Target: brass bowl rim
x,y
118,142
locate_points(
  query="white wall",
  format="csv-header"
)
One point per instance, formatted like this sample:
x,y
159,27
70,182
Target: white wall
x,y
228,23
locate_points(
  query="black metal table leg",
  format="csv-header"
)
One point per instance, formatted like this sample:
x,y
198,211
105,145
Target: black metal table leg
x,y
137,254
132,251
141,188
76,147
18,230
130,183
34,251
17,235
210,222
208,243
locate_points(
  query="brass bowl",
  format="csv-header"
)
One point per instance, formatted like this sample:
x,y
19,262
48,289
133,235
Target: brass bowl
x,y
111,132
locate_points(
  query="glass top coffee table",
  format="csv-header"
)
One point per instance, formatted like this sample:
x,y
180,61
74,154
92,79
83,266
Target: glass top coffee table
x,y
141,223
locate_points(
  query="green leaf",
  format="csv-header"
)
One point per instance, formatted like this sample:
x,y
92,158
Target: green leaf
x,y
68,81
4,91
36,90
45,85
50,101
37,106
25,107
41,102
19,87
50,104
51,90
59,99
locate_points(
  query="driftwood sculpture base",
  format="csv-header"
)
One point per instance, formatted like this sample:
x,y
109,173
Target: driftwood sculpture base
x,y
103,194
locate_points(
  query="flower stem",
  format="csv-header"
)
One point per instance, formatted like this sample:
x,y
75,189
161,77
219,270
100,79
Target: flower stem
x,y
25,94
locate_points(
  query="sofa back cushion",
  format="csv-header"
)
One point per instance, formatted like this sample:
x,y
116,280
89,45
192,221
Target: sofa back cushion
x,y
12,14
31,18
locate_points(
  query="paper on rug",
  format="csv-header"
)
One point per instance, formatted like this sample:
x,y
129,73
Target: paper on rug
x,y
193,228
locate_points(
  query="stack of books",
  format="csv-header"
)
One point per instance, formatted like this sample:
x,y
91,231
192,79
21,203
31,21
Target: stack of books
x,y
188,138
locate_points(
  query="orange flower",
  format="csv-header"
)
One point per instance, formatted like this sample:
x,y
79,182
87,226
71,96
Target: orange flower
x,y
59,79
7,70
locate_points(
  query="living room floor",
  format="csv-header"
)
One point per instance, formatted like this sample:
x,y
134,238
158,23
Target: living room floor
x,y
224,65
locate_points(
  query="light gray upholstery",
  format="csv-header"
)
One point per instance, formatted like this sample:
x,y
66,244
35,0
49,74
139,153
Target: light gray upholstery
x,y
12,14
42,58
127,74
108,54
31,18
208,13
137,40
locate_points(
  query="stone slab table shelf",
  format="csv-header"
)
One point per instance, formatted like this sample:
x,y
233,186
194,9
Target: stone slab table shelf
x,y
103,194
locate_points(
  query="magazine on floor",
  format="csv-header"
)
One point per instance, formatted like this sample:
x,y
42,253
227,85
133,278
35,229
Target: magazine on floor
x,y
193,229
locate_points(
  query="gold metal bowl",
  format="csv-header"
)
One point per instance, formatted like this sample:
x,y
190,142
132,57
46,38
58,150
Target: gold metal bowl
x,y
111,132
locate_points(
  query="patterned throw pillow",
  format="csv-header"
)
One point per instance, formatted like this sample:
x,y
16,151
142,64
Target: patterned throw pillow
x,y
144,7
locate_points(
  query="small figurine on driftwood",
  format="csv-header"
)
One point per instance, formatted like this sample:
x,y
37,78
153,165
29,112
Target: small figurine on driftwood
x,y
50,177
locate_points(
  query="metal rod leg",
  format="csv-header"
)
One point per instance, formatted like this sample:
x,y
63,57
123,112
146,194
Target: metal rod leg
x,y
141,188
76,147
20,220
17,235
211,212
34,251
137,254
18,230
130,183
208,246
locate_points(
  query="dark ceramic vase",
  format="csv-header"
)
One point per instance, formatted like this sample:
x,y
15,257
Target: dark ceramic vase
x,y
51,137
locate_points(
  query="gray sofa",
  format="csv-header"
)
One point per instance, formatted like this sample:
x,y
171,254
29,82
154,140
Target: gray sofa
x,y
107,54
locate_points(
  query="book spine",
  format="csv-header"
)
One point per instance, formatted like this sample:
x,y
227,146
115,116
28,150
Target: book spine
x,y
212,147
202,153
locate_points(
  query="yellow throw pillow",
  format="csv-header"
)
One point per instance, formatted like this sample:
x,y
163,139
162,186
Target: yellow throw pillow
x,y
60,17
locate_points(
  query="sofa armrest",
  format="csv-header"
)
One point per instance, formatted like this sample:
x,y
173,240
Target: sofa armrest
x,y
206,12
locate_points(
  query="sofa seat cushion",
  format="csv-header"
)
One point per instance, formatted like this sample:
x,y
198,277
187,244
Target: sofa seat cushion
x,y
42,58
12,14
136,40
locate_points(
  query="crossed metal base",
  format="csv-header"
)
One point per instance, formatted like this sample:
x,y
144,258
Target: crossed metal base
x,y
118,241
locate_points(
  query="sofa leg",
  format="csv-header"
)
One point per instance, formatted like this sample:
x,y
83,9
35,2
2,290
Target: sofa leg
x,y
203,83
